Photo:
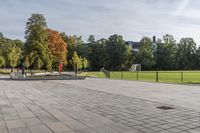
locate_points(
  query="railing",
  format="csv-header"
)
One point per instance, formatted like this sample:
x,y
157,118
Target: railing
x,y
153,76
159,76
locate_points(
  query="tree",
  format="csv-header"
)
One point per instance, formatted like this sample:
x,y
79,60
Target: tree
x,y
1,35
2,61
118,53
58,47
18,43
186,54
74,44
36,46
26,62
165,54
197,59
76,62
145,55
84,63
5,45
97,54
91,39
13,57
39,64
49,60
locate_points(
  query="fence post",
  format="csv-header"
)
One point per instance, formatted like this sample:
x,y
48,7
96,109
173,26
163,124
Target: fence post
x,y
156,76
137,76
181,76
122,76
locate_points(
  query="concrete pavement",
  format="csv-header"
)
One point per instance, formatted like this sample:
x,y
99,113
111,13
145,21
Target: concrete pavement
x,y
97,106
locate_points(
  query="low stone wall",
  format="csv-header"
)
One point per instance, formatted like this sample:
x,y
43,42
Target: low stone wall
x,y
45,76
51,78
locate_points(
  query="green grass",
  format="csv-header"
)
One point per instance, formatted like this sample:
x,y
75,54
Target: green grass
x,y
93,74
163,76
5,71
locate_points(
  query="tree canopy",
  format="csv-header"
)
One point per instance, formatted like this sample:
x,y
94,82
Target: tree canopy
x,y
10,52
145,55
165,55
57,46
45,48
36,45
76,62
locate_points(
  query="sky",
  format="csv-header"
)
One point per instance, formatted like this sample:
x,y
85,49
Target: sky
x,y
132,19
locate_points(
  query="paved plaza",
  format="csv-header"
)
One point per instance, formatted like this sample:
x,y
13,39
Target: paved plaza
x,y
98,106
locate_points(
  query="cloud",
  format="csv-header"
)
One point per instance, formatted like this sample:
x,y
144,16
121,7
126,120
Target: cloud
x,y
130,18
183,4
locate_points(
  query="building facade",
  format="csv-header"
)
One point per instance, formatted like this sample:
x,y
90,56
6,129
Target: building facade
x,y
136,45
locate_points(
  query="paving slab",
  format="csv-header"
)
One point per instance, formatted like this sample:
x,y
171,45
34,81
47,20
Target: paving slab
x,y
175,94
98,106
40,129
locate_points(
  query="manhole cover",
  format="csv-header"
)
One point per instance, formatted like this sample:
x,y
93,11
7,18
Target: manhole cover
x,y
165,107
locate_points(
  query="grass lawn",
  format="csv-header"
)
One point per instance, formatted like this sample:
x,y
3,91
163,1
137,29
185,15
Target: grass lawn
x,y
8,71
163,76
5,71
93,74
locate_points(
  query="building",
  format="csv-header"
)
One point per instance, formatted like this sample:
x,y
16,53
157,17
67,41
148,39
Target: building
x,y
136,45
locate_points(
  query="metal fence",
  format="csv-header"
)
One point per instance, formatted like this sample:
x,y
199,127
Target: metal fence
x,y
155,76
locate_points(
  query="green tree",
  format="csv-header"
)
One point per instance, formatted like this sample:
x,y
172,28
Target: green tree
x,y
5,46
1,35
197,59
145,55
91,39
96,53
118,53
13,57
76,62
36,46
165,55
186,54
84,63
49,60
74,44
39,64
26,62
2,61
18,43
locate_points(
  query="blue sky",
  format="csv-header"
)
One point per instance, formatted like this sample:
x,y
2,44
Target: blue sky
x,y
131,18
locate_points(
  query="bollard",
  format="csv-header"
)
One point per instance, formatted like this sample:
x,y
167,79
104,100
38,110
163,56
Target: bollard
x,y
156,76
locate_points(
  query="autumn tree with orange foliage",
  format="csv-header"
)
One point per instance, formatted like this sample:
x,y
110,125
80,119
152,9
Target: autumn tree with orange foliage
x,y
58,47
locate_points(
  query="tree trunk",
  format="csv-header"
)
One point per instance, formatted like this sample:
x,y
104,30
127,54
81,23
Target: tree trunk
x,y
76,70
